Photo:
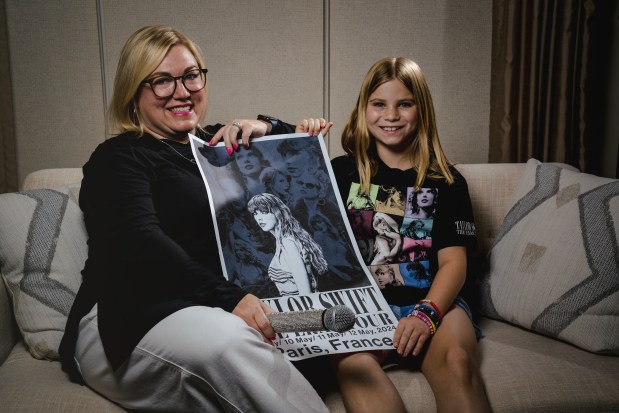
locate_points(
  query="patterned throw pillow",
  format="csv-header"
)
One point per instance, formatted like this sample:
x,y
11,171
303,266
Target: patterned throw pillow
x,y
554,265
42,252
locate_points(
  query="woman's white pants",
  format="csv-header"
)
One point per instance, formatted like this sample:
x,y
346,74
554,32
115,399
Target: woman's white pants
x,y
199,359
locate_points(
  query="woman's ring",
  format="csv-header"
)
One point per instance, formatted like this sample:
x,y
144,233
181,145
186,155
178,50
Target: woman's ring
x,y
237,124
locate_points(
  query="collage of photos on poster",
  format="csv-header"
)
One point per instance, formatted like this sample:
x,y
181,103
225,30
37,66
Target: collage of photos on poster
x,y
283,236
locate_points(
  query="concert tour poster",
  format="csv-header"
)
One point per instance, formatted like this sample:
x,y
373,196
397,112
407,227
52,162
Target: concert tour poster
x,y
283,236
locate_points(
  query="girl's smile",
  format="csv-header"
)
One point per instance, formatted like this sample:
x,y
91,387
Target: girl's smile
x,y
391,117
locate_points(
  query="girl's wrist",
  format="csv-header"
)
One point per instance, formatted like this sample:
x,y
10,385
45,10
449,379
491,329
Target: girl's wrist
x,y
423,317
433,305
428,312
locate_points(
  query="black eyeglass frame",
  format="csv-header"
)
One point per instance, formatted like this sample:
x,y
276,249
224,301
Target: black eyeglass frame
x,y
149,82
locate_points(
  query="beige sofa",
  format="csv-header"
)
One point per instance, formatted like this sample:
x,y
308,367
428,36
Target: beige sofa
x,y
523,371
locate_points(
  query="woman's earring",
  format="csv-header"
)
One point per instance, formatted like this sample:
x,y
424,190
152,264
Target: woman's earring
x,y
135,117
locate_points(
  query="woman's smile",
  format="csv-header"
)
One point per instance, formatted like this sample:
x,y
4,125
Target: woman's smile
x,y
184,110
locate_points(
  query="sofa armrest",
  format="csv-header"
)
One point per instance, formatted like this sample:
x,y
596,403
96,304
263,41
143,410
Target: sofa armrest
x,y
9,334
51,178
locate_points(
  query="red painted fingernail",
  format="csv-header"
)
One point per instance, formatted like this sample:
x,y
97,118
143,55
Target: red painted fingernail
x,y
210,143
229,150
236,147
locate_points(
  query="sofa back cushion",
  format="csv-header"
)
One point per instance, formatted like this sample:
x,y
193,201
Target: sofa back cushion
x,y
42,252
490,187
554,267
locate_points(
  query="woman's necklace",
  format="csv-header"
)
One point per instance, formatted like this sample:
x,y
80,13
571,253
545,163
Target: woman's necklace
x,y
177,152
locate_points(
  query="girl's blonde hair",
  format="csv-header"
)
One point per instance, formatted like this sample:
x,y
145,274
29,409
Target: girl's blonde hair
x,y
425,151
140,56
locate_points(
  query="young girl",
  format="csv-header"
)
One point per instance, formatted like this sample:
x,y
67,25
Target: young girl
x,y
391,140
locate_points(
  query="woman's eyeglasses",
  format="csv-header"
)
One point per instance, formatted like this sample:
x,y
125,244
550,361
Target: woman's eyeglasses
x,y
165,86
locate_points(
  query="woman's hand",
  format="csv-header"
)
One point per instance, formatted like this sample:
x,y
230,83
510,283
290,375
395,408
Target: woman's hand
x,y
313,126
239,131
254,312
410,335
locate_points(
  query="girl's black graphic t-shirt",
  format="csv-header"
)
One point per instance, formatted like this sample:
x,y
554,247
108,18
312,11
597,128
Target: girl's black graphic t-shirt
x,y
399,230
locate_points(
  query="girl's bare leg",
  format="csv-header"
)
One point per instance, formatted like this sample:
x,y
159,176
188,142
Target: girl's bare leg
x,y
364,385
451,367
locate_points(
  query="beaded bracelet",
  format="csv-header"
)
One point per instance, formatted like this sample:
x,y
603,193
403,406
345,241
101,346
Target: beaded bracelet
x,y
426,309
430,315
434,306
432,312
423,317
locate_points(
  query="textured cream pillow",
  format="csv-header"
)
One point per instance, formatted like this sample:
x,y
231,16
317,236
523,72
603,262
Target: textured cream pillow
x,y
554,265
42,252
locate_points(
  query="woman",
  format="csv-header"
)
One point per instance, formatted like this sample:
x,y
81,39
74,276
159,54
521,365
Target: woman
x,y
326,235
391,139
313,198
247,269
298,260
388,240
421,203
392,203
155,325
299,157
415,229
276,183
384,275
249,164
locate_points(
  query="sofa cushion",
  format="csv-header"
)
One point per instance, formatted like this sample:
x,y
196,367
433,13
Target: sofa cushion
x,y
528,372
42,251
39,386
522,372
553,267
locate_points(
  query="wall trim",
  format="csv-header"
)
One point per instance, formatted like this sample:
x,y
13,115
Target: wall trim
x,y
326,69
103,58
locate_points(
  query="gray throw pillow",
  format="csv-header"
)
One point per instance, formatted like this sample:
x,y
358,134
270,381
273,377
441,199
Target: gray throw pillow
x,y
554,265
42,252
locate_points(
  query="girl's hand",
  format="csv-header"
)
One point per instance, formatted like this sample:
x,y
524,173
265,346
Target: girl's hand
x,y
314,126
410,335
239,131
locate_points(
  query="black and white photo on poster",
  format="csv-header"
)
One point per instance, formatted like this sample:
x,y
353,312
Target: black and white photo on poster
x,y
283,236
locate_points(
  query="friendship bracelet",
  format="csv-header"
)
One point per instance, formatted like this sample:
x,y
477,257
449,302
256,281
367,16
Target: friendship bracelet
x,y
433,312
429,311
432,321
426,320
438,312
423,317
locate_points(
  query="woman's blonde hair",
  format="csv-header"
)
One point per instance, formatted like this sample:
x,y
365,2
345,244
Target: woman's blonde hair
x,y
142,53
425,151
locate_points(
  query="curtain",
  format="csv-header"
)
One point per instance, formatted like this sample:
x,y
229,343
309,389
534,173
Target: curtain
x,y
548,75
8,151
